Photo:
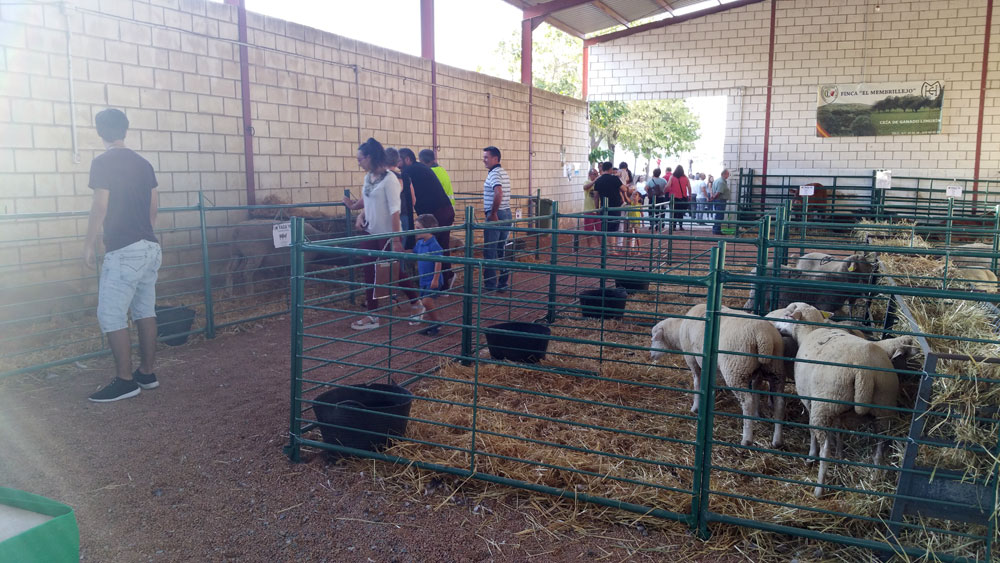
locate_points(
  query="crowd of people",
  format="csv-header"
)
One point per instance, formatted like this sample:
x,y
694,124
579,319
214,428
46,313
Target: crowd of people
x,y
695,198
403,191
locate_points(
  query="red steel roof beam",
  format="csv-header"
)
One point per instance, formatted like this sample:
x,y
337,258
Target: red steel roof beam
x,y
982,102
427,52
542,10
668,21
611,13
526,30
241,12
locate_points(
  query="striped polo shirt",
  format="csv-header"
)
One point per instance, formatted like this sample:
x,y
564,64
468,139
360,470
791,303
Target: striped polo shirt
x,y
496,176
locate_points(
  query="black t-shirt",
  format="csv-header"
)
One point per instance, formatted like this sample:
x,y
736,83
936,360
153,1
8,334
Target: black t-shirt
x,y
406,211
609,186
131,180
426,187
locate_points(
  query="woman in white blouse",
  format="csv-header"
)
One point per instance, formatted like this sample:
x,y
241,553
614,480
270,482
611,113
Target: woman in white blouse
x,y
380,205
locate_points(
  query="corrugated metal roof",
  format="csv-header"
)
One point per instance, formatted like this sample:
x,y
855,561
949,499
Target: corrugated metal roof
x,y
584,17
588,17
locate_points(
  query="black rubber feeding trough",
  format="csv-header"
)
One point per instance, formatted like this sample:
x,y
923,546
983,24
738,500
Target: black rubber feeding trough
x,y
363,417
633,286
528,346
171,321
607,303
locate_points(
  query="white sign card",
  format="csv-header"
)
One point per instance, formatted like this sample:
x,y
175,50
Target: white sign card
x,y
807,190
883,179
953,191
517,214
282,233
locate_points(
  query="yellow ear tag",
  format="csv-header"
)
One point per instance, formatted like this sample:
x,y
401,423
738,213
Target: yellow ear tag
x,y
850,268
827,315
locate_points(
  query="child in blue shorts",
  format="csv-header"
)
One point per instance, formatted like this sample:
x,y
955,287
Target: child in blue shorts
x,y
430,272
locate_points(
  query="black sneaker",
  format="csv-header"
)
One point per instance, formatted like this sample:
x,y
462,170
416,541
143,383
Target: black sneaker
x,y
145,380
433,330
115,391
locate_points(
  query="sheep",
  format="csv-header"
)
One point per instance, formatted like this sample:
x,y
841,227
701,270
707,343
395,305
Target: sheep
x,y
980,279
820,267
974,261
746,334
253,250
878,386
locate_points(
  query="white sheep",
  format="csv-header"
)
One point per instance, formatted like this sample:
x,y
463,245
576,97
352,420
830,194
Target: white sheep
x,y
819,267
745,335
980,279
974,261
855,383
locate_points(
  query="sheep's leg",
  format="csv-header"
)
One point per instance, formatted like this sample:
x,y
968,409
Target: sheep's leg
x,y
234,272
879,452
695,382
779,410
838,447
882,427
751,407
253,264
824,453
812,447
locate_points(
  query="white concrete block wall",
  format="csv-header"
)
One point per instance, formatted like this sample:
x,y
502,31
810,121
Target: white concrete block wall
x,y
173,67
818,42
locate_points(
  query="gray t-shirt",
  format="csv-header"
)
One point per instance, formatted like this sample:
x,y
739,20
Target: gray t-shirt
x,y
720,188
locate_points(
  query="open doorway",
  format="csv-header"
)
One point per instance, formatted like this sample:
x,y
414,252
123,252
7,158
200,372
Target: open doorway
x,y
663,134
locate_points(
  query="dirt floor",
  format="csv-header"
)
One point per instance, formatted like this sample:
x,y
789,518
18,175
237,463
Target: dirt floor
x,y
194,470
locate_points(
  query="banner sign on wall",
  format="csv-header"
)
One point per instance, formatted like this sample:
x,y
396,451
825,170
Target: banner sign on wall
x,y
893,108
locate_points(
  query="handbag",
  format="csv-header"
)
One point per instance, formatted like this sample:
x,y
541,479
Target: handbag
x,y
385,272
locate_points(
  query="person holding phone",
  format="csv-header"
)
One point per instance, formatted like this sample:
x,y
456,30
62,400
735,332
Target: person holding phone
x,y
380,209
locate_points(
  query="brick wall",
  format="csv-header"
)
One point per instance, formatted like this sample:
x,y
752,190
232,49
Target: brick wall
x,y
173,67
818,42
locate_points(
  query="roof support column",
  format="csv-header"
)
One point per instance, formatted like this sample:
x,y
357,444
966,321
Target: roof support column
x,y
427,52
245,95
982,100
767,105
586,70
528,25
526,29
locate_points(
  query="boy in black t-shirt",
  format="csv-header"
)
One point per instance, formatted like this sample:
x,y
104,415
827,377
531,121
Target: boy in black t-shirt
x,y
125,205
609,187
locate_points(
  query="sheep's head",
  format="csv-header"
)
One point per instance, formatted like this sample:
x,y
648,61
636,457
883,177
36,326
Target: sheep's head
x,y
665,336
908,347
861,263
797,311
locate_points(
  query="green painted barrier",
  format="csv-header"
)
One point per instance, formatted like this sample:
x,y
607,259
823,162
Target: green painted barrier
x,y
49,535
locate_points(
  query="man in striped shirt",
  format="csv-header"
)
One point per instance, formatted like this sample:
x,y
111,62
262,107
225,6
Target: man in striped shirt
x,y
496,204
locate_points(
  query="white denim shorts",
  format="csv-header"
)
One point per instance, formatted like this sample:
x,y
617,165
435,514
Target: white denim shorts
x,y
128,282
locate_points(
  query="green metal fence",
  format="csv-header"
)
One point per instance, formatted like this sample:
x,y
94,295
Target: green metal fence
x,y
597,420
838,198
220,265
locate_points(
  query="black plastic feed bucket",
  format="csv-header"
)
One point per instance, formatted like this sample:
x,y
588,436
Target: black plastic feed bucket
x,y
363,416
528,346
633,286
608,303
172,321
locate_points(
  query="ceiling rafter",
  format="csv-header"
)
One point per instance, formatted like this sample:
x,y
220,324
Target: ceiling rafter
x,y
665,5
551,7
613,14
566,28
666,22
